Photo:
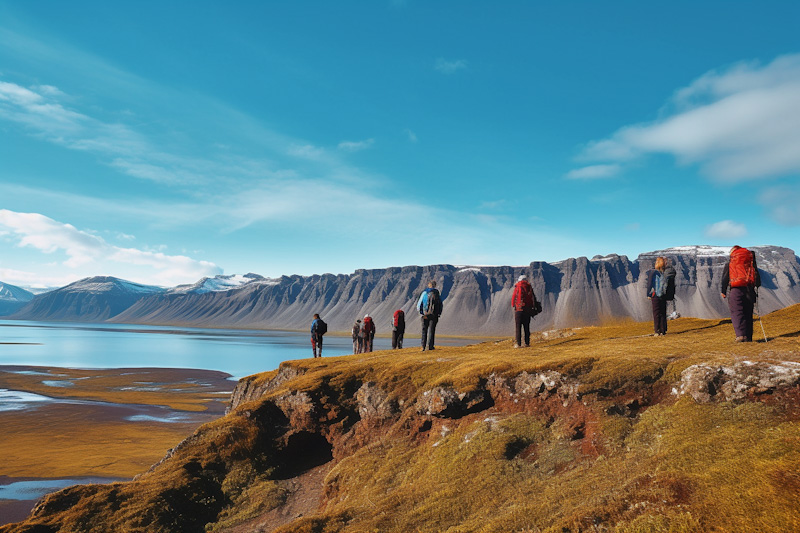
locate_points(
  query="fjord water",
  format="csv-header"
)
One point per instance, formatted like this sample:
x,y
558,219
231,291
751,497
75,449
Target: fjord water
x,y
237,352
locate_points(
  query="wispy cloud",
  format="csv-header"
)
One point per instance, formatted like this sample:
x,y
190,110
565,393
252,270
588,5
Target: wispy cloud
x,y
726,229
783,204
737,124
594,172
91,254
356,146
450,67
411,135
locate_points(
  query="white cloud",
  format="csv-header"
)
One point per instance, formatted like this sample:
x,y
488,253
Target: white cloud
x,y
89,254
450,67
594,172
736,124
726,229
411,135
355,146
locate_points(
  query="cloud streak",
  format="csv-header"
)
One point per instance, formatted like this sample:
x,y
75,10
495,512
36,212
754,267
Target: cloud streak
x,y
90,253
736,124
726,229
450,67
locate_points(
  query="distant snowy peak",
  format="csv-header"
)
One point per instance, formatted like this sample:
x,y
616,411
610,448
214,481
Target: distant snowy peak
x,y
703,250
219,284
12,293
102,284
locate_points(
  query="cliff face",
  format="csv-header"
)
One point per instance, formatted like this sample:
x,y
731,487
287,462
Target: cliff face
x,y
574,292
477,300
596,429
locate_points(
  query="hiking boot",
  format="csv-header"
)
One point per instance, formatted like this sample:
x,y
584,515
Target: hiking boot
x,y
527,345
516,345
741,339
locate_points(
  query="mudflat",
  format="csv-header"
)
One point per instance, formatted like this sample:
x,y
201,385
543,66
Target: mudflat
x,y
112,424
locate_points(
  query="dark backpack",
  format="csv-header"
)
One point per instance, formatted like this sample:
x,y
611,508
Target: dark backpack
x,y
399,320
434,307
670,273
742,268
322,327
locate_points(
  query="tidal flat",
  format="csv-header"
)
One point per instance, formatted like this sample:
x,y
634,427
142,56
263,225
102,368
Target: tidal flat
x,y
62,426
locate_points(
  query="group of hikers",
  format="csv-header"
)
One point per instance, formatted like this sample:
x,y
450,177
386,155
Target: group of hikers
x,y
740,279
739,283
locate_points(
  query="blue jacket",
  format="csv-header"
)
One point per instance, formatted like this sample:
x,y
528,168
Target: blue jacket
x,y
422,304
314,326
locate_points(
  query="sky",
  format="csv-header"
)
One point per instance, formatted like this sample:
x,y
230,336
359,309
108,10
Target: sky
x,y
162,142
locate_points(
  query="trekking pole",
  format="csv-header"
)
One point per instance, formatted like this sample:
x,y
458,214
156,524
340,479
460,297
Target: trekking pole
x,y
759,319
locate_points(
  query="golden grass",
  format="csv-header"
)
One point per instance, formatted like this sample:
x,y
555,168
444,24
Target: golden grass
x,y
672,466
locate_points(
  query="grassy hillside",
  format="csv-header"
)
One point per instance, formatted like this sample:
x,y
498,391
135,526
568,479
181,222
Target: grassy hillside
x,y
593,429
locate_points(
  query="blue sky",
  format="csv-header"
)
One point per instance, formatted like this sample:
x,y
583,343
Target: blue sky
x,y
165,141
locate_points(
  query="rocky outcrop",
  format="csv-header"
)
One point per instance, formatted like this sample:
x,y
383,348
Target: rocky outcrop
x,y
713,383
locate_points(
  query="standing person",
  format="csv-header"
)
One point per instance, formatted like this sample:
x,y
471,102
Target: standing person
x,y
368,330
398,329
522,301
430,307
318,329
657,294
740,276
358,339
669,274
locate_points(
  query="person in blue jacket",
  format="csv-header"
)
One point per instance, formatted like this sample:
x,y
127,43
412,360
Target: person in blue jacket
x,y
430,307
318,329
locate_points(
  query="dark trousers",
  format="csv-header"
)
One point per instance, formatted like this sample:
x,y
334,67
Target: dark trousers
x,y
741,301
358,345
397,339
368,343
427,337
659,314
316,345
522,320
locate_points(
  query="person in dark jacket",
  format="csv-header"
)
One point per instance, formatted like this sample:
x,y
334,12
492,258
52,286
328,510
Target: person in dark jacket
x,y
358,337
429,306
398,329
316,336
522,301
741,298
368,332
657,293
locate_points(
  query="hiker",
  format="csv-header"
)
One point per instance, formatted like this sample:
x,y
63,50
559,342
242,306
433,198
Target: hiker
x,y
657,283
318,329
523,301
669,274
430,307
358,337
368,331
398,329
739,281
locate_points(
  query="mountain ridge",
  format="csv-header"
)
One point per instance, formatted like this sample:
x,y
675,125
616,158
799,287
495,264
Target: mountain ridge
x,y
574,292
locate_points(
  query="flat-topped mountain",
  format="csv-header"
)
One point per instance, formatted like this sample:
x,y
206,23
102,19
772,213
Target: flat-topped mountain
x,y
477,300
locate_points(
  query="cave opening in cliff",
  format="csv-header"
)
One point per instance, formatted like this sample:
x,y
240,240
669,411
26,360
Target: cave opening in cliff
x,y
303,451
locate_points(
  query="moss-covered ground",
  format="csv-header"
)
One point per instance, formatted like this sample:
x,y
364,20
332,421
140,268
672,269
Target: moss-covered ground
x,y
627,456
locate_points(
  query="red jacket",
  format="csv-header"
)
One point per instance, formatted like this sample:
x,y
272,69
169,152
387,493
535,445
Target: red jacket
x,y
522,300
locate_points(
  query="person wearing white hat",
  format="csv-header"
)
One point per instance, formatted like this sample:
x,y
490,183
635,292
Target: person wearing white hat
x,y
523,302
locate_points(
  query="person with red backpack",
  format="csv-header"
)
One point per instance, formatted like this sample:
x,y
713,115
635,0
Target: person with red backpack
x,y
524,303
368,328
398,329
740,278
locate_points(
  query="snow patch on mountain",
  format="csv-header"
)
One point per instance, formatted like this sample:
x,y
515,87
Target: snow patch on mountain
x,y
220,283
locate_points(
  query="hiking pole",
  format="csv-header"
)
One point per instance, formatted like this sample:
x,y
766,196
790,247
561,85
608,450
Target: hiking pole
x,y
759,319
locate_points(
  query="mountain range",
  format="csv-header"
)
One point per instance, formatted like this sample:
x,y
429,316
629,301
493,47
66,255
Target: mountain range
x,y
574,292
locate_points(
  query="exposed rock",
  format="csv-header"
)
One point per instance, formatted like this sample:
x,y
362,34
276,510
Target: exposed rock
x,y
299,408
546,384
439,401
247,391
374,403
706,383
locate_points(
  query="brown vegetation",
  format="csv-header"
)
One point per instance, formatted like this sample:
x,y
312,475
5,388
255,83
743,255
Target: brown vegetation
x,y
589,430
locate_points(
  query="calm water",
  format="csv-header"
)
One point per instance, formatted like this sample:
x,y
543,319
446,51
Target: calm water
x,y
237,352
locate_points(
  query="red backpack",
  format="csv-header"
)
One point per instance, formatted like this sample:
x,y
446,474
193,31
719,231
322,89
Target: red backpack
x,y
523,296
742,268
369,327
399,319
